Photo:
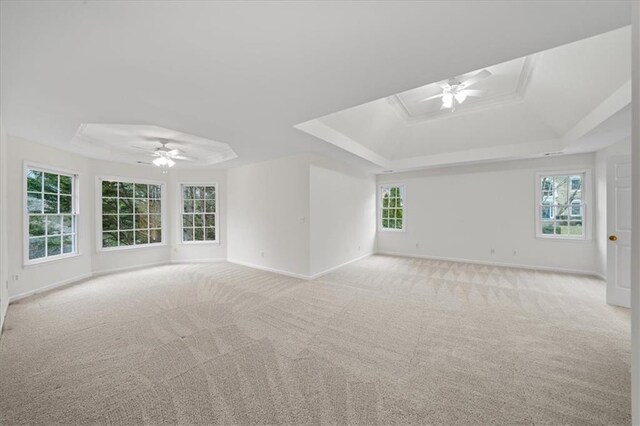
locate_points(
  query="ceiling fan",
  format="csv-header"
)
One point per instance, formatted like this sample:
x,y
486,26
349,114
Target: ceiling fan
x,y
455,92
165,156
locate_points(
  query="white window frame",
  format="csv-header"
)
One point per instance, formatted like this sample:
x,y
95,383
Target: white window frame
x,y
25,214
379,207
587,194
163,211
181,207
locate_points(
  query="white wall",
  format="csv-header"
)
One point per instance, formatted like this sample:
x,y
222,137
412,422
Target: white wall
x,y
268,215
618,149
463,212
342,215
199,251
4,275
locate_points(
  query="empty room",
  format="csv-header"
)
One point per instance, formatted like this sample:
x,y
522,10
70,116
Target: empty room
x,y
319,212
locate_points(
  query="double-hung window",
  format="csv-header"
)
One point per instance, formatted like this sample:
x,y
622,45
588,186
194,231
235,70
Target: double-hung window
x,y
562,205
199,213
131,213
51,210
391,208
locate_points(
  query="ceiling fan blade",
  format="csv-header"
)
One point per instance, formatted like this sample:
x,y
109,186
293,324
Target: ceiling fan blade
x,y
476,78
431,97
472,92
183,157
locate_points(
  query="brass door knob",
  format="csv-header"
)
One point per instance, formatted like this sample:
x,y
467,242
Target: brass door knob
x,y
613,238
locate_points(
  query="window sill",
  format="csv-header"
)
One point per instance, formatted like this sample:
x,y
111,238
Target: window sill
x,y
565,239
132,247
47,260
188,243
391,230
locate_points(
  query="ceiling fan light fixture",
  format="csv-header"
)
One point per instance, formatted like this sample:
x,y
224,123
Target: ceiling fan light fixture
x,y
447,100
164,162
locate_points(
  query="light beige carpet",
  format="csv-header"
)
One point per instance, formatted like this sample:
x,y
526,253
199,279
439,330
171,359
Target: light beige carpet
x,y
383,341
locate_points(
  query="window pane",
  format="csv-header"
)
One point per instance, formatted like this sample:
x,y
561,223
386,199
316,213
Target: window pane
x,y
67,224
548,228
392,202
37,226
65,184
188,206
187,234
547,212
54,225
109,189
126,222
385,223
198,192
125,190
155,236
575,228
34,202
65,204
154,221
576,183
392,223
37,247
210,192
210,234
187,192
125,205
198,220
109,239
110,222
141,190
199,206
399,214
210,220
50,203
126,238
154,206
210,206
54,245
67,244
155,191
187,220
142,206
34,180
142,221
51,183
109,205
398,223
198,234
142,237
385,202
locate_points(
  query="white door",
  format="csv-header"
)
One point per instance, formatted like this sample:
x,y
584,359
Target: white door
x,y
619,231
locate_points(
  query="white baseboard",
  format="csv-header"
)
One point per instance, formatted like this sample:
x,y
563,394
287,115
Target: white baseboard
x,y
50,287
326,271
127,268
500,264
265,268
185,261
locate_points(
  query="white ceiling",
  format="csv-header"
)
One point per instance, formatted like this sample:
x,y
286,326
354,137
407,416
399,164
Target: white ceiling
x,y
530,106
246,72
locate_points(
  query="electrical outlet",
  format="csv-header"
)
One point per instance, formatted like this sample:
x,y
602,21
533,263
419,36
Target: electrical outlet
x,y
16,277
515,252
417,245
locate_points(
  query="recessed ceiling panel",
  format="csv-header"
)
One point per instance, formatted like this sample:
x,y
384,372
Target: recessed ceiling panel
x,y
132,143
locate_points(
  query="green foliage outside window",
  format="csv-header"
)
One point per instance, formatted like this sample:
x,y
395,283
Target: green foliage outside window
x,y
392,209
131,214
199,213
51,214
